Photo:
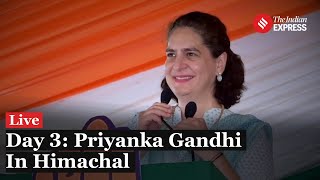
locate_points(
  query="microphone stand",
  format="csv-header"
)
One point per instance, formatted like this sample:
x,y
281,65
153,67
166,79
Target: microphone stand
x,y
168,126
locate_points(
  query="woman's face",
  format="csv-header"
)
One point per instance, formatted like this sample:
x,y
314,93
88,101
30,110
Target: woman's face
x,y
190,69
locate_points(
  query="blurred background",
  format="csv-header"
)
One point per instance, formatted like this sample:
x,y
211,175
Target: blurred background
x,y
73,60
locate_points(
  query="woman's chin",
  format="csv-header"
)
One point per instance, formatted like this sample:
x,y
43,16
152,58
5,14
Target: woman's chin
x,y
182,92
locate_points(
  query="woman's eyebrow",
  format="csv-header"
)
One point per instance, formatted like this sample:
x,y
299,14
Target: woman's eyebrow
x,y
191,49
170,50
184,49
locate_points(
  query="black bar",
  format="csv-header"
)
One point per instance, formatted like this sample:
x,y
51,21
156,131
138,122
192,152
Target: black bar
x,y
53,157
67,139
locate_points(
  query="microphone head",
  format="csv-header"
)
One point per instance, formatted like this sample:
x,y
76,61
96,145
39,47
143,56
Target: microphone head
x,y
166,96
191,109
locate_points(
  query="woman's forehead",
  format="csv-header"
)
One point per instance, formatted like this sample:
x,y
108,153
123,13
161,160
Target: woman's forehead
x,y
184,38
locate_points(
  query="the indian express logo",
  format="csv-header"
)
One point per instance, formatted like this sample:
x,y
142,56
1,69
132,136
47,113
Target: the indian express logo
x,y
263,23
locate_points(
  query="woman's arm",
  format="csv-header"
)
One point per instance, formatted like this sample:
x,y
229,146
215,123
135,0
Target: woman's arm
x,y
257,161
220,162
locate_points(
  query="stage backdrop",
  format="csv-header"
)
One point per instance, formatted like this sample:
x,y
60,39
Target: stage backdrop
x,y
74,60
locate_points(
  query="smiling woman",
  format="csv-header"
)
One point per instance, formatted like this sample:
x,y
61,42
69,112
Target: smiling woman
x,y
201,68
190,66
204,51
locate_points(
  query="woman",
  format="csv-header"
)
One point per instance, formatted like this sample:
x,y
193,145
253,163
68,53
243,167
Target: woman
x,y
201,67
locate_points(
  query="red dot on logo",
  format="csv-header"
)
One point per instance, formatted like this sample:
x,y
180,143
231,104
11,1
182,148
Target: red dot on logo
x,y
262,23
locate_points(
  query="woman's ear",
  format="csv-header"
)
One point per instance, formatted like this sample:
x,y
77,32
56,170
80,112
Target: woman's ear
x,y
221,63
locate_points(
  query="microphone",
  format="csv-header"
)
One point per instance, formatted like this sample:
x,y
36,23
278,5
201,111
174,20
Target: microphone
x,y
166,96
191,109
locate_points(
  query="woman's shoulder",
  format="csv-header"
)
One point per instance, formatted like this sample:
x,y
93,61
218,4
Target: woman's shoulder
x,y
247,122
241,121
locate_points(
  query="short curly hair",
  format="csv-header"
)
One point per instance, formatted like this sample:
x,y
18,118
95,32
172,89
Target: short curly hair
x,y
214,35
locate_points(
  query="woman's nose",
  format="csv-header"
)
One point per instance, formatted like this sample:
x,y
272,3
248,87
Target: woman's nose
x,y
179,63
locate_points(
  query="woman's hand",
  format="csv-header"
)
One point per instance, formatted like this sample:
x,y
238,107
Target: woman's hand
x,y
191,124
221,162
150,119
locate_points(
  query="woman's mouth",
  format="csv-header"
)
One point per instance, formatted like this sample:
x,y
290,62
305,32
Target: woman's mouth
x,y
182,79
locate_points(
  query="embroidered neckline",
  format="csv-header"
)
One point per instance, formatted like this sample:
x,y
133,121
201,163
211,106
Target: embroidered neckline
x,y
211,116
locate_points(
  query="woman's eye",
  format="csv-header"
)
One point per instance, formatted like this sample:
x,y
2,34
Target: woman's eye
x,y
191,54
171,55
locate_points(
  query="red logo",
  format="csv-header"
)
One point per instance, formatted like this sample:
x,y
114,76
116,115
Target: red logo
x,y
263,23
24,120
